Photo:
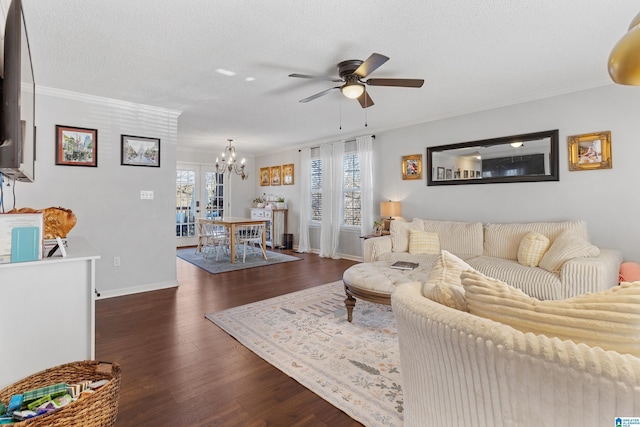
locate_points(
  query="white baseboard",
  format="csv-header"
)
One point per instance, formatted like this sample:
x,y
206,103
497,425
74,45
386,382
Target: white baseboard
x,y
136,289
345,256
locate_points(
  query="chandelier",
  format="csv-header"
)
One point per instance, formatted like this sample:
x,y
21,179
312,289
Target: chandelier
x,y
229,162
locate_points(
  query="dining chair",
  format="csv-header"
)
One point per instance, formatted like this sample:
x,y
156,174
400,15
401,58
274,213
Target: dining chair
x,y
203,236
212,237
250,235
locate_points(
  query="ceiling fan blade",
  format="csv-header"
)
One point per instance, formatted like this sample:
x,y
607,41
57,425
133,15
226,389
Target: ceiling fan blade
x,y
365,100
371,64
319,94
305,76
396,82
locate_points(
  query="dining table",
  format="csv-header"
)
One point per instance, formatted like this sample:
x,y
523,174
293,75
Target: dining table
x,y
232,223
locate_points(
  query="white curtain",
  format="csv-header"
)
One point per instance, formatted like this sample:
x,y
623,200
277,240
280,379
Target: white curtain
x,y
365,150
326,240
336,196
305,199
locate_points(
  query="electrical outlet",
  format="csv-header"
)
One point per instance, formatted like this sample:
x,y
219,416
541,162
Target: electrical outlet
x,y
146,195
116,261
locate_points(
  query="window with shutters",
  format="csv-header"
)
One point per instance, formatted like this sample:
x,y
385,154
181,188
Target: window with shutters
x,y
351,200
316,190
351,191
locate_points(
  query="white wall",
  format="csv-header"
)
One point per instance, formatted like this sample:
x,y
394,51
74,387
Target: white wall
x,y
607,199
106,199
291,193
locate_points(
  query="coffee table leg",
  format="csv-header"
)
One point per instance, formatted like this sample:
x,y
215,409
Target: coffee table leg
x,y
350,302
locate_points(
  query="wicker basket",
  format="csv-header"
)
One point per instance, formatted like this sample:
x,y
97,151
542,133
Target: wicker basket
x,y
97,409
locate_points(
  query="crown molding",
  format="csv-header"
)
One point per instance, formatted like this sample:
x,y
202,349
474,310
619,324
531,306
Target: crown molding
x,y
93,99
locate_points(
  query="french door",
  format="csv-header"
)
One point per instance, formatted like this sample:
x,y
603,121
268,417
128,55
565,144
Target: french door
x,y
199,194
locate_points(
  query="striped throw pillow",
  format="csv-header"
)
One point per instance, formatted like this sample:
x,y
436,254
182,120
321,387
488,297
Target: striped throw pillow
x,y
423,242
567,246
443,285
609,319
399,230
532,248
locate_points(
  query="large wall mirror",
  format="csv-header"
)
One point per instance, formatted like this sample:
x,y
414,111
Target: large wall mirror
x,y
519,158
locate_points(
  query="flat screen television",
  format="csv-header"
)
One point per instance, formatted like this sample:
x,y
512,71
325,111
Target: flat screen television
x,y
17,120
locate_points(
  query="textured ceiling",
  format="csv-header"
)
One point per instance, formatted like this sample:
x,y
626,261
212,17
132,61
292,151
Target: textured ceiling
x,y
473,55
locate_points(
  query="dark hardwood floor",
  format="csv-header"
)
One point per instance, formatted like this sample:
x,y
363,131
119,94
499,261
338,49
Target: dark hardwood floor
x,y
179,369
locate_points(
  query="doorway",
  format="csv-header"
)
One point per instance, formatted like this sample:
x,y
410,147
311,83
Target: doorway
x,y
199,194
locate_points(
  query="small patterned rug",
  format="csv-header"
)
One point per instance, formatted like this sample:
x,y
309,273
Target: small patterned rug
x,y
354,366
223,264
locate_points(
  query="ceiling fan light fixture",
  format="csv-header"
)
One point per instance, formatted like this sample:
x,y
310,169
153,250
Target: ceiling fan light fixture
x,y
624,61
352,90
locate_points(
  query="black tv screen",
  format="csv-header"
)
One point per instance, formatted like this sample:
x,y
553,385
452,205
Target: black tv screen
x,y
17,120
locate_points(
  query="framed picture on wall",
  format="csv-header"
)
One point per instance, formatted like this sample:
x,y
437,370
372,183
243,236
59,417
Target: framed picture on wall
x,y
265,178
287,174
590,151
276,175
412,166
76,146
139,151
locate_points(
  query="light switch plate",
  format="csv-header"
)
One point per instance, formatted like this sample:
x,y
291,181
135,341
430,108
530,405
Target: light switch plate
x,y
146,195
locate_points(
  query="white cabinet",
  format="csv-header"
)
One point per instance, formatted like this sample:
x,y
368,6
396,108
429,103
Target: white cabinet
x,y
47,316
276,224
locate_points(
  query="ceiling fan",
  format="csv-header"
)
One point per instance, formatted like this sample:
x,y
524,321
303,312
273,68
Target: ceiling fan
x,y
352,72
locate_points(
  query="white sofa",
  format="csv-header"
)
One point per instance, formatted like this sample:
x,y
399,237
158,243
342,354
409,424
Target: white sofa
x,y
491,249
461,369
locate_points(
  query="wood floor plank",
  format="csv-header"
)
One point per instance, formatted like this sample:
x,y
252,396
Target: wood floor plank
x,y
180,369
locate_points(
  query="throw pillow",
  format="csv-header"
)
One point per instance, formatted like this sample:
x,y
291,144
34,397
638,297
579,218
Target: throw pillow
x,y
399,231
609,319
567,246
423,242
443,284
532,248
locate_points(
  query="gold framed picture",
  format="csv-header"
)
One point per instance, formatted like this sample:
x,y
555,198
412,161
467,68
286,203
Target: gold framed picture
x,y
265,178
287,174
276,175
412,166
590,151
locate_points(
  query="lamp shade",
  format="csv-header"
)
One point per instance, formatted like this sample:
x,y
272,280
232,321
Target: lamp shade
x,y
352,90
390,209
624,60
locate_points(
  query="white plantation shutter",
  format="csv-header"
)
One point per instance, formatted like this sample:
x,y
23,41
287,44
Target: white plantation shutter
x,y
305,185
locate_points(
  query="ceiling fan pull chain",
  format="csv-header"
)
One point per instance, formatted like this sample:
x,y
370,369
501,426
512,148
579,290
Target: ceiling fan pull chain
x,y
340,105
365,108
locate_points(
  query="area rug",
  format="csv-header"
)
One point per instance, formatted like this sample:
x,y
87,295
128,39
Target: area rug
x,y
305,334
223,263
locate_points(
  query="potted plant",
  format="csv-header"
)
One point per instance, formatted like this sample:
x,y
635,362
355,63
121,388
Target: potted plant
x,y
377,228
259,201
280,203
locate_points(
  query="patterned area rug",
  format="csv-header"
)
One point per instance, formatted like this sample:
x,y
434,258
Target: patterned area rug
x,y
223,263
354,366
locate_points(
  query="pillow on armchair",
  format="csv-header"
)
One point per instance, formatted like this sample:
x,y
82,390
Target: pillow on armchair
x,y
609,319
443,285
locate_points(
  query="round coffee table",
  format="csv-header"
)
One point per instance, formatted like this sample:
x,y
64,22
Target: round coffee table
x,y
375,282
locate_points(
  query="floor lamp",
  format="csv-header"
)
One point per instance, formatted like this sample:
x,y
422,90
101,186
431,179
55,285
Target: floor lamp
x,y
389,210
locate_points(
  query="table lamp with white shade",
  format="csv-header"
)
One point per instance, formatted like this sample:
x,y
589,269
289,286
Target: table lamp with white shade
x,y
389,210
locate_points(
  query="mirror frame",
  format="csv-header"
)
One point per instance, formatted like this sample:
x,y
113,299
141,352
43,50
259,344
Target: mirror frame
x,y
553,159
